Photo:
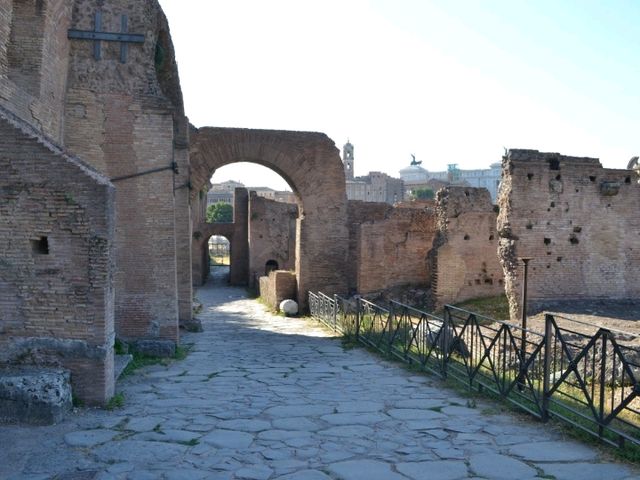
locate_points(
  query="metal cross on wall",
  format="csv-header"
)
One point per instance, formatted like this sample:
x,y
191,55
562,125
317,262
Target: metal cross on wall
x,y
97,35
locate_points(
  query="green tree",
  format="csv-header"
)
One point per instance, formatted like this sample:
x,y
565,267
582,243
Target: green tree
x,y
220,212
423,194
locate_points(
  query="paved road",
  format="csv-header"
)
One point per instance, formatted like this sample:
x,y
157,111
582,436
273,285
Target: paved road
x,y
264,397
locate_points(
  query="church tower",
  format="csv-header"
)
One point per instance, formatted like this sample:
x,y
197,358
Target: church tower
x,y
347,160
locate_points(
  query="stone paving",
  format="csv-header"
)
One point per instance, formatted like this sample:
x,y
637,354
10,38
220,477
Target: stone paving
x,y
265,397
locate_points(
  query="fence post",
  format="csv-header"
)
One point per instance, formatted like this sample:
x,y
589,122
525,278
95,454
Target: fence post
x,y
603,381
444,343
546,368
390,322
358,313
335,310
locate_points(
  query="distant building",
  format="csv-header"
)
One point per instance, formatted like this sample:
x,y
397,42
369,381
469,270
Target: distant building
x,y
374,187
415,176
223,192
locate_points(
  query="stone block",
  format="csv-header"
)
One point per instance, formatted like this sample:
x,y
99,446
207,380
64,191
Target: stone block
x,y
120,363
193,325
155,348
33,395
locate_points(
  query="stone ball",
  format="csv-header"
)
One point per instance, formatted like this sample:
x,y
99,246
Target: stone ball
x,y
289,307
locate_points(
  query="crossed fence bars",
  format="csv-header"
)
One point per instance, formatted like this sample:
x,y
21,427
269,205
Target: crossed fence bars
x,y
587,380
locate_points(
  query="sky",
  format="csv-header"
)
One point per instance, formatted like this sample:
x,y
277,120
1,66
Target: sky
x,y
451,81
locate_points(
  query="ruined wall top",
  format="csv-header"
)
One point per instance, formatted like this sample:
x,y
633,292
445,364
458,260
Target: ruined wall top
x,y
525,155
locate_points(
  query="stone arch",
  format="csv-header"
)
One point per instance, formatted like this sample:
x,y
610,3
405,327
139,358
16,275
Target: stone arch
x,y
208,230
310,163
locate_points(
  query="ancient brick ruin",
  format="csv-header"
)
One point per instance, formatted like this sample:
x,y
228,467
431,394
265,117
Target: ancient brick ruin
x,y
103,191
577,221
388,246
464,264
57,262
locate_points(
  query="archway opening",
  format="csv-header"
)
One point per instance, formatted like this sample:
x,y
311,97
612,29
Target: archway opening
x,y
310,165
263,211
219,250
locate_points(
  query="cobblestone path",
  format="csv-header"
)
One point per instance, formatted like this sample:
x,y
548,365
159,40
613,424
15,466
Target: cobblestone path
x,y
265,397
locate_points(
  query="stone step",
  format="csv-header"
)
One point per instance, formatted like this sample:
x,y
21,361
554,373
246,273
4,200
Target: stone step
x,y
120,362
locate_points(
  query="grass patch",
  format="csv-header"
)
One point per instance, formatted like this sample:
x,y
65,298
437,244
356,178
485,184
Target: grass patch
x,y
140,360
349,343
182,351
120,348
117,401
492,307
191,443
76,402
273,311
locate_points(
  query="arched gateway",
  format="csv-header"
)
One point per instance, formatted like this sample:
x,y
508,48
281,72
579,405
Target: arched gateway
x,y
309,162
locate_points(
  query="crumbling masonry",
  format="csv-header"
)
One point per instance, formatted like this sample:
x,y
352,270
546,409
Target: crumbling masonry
x,y
577,221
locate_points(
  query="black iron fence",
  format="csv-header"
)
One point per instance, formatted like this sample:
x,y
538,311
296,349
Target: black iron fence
x,y
587,380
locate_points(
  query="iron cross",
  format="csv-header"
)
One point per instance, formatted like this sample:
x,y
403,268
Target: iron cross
x,y
97,35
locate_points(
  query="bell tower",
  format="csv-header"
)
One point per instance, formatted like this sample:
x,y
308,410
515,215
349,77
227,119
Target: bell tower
x,y
347,160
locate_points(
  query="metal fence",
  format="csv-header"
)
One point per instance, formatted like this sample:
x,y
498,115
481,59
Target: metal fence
x,y
587,380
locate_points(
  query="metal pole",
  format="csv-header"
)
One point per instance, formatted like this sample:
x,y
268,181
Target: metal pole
x,y
523,346
546,385
525,263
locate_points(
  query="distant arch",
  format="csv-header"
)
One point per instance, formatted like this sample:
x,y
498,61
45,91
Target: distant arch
x,y
310,163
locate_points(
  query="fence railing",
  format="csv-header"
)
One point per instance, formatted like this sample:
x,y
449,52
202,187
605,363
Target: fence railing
x,y
588,380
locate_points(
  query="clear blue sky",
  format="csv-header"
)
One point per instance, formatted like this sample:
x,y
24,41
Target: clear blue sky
x,y
452,81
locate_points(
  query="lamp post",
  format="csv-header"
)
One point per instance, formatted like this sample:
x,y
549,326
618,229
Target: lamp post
x,y
523,347
525,264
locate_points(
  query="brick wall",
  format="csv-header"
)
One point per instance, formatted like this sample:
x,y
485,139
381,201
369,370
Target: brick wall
x,y
34,61
56,256
464,260
578,222
272,234
388,246
126,119
279,285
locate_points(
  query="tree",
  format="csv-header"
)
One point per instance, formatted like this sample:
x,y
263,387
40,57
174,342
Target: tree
x,y
220,212
423,194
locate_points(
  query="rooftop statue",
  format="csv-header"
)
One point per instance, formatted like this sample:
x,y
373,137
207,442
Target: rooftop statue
x,y
414,161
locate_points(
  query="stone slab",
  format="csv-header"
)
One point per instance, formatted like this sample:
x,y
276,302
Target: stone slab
x,y
553,452
34,395
500,467
364,470
437,470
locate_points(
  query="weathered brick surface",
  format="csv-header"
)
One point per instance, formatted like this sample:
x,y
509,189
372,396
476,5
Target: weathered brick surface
x,y
272,234
464,259
34,61
578,222
56,256
310,163
388,246
126,119
279,285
